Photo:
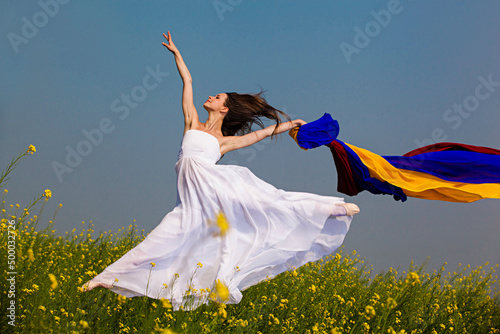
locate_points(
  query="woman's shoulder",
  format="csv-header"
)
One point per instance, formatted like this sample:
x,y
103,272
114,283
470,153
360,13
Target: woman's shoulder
x,y
193,126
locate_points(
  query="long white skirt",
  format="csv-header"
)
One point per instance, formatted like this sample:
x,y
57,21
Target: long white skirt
x,y
270,231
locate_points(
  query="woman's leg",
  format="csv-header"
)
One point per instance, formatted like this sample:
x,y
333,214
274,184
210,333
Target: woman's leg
x,y
90,285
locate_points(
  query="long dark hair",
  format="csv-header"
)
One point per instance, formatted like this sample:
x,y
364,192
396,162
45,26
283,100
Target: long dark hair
x,y
245,110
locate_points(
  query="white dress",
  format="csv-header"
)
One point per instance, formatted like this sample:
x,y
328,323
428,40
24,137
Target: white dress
x,y
271,231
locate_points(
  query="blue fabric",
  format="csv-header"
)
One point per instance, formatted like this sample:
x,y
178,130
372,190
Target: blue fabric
x,y
461,166
449,162
319,132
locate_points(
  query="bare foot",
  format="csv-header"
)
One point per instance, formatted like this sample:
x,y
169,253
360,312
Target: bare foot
x,y
91,285
351,208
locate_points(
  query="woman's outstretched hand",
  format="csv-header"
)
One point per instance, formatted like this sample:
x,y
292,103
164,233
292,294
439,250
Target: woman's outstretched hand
x,y
298,122
170,46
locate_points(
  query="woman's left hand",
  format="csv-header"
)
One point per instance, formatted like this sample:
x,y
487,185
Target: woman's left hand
x,y
298,122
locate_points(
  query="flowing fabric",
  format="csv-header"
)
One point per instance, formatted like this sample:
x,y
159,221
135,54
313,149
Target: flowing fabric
x,y
443,171
270,231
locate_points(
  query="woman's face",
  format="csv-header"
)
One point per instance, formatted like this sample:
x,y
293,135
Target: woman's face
x,y
215,103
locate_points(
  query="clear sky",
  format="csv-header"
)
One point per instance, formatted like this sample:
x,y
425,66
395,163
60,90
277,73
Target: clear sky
x,y
395,74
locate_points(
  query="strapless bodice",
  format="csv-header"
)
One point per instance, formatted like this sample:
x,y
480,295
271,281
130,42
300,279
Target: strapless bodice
x,y
199,144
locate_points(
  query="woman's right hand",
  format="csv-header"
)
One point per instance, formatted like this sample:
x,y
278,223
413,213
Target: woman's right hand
x,y
170,46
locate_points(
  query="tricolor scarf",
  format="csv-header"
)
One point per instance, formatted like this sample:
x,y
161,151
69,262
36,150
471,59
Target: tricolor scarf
x,y
443,171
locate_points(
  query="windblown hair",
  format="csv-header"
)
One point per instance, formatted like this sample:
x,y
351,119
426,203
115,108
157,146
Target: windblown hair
x,y
246,110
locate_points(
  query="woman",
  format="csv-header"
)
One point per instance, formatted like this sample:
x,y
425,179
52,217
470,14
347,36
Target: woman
x,y
262,231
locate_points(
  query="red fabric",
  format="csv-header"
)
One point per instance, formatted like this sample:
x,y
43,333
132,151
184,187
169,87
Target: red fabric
x,y
346,183
452,147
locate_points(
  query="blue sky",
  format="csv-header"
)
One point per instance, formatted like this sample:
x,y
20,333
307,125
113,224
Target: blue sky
x,y
69,67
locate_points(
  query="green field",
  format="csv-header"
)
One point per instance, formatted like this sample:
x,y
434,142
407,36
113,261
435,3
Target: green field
x,y
338,294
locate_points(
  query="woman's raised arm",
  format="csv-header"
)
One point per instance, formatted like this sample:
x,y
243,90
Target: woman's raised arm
x,y
190,113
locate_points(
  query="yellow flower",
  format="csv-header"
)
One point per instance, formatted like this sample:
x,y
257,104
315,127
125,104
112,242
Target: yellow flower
x,y
167,331
5,191
121,299
30,255
222,310
370,312
200,265
165,303
222,223
31,149
222,290
153,264
41,308
413,278
47,194
84,324
391,303
53,281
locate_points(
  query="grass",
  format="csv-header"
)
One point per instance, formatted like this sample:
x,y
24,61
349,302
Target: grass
x,y
338,294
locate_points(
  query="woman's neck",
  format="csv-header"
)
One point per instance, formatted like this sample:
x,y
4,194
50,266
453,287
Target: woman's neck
x,y
213,125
